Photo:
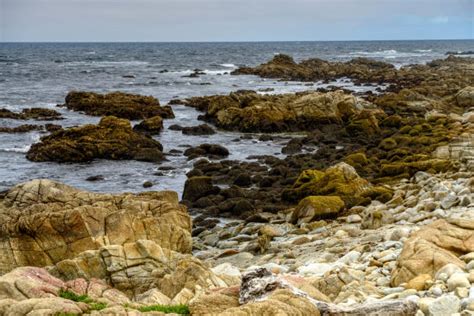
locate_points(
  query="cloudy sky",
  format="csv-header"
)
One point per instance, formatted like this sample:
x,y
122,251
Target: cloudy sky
x,y
234,20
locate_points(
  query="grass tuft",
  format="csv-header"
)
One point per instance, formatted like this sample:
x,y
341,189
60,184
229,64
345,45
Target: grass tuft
x,y
93,305
167,309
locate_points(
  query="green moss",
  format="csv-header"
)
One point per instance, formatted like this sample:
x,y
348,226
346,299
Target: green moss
x,y
317,207
412,165
357,159
405,129
380,193
388,143
167,309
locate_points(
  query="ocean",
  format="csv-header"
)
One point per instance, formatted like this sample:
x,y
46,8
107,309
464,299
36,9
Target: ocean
x,y
41,74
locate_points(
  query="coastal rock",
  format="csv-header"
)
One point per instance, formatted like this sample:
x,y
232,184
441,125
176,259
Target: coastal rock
x,y
135,268
284,67
24,128
212,151
433,247
202,129
46,222
151,126
112,138
317,207
119,104
40,114
339,180
197,187
465,97
247,111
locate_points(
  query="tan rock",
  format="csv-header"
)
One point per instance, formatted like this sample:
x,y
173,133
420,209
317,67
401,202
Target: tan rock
x,y
434,246
419,282
45,222
280,302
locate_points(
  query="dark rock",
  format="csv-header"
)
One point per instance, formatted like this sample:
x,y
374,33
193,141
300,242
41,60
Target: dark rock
x,y
202,129
119,104
243,180
25,128
112,138
293,146
198,187
40,114
151,126
95,178
208,150
176,127
147,184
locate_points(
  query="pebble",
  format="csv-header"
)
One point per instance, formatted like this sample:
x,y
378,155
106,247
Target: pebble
x,y
458,279
445,272
354,218
444,305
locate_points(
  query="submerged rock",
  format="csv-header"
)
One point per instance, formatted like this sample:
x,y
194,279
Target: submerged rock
x,y
212,151
112,138
202,129
119,104
40,114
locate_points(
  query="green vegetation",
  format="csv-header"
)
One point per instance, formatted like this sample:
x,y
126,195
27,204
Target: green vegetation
x,y
177,309
93,305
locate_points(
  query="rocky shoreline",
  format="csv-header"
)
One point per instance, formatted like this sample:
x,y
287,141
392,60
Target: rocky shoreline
x,y
371,212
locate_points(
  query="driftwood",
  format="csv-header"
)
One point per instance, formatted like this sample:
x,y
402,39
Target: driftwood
x,y
259,283
379,308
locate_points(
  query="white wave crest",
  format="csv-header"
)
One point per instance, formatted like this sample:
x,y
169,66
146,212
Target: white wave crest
x,y
228,65
23,149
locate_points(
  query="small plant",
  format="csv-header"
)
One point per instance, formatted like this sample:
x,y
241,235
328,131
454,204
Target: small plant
x,y
74,297
93,305
97,306
177,309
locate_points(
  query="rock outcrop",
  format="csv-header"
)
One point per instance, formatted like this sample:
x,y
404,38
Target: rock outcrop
x,y
248,111
45,222
119,104
433,247
112,138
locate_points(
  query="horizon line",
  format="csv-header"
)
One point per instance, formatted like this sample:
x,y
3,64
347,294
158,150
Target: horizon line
x,y
250,41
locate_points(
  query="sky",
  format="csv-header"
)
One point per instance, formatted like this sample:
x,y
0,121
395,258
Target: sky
x,y
234,20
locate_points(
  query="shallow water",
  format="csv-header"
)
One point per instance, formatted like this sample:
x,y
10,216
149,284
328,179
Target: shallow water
x,y
40,75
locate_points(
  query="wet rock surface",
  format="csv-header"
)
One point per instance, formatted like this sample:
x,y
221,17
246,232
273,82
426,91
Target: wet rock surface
x,y
119,104
112,138
40,114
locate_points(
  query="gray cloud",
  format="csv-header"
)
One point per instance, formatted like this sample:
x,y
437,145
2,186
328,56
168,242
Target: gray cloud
x,y
233,20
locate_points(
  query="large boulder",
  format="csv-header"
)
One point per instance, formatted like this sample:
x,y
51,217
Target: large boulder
x,y
212,151
151,126
434,246
119,104
197,187
45,222
112,138
137,267
339,180
317,207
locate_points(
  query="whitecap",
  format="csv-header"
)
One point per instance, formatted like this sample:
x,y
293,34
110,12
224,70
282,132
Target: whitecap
x,y
23,149
423,50
228,65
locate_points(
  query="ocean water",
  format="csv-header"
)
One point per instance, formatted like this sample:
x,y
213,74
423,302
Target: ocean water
x,y
41,74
